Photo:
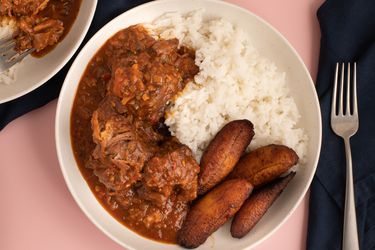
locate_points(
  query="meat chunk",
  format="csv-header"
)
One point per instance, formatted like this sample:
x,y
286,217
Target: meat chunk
x,y
22,7
126,81
173,170
113,177
146,99
149,74
111,107
6,7
122,147
37,32
166,50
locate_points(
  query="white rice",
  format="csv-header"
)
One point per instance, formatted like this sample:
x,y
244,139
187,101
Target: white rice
x,y
234,82
7,28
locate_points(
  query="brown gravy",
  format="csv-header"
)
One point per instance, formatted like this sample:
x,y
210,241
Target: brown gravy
x,y
63,10
142,176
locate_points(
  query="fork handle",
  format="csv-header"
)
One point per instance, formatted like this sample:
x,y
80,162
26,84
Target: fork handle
x,y
350,233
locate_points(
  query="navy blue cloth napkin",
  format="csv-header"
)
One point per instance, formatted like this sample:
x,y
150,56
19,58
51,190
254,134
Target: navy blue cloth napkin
x,y
106,11
348,35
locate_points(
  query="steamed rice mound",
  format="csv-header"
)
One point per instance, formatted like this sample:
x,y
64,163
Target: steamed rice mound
x,y
234,82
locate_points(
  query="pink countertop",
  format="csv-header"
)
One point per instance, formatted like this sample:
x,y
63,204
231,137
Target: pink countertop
x,y
37,210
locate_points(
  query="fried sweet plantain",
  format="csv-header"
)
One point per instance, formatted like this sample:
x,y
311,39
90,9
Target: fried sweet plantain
x,y
257,205
212,211
223,153
264,164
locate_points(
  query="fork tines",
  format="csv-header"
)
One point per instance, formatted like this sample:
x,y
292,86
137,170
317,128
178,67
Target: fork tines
x,y
351,87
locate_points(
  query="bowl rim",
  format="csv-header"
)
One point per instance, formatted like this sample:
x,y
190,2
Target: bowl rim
x,y
73,50
314,162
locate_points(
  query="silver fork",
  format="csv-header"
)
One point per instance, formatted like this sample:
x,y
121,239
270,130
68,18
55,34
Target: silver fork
x,y
345,124
8,56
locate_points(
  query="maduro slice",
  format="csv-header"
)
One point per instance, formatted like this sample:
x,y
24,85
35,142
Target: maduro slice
x,y
223,153
265,164
257,205
212,211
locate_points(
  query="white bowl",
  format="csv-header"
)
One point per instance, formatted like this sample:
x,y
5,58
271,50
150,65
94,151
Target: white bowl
x,y
33,72
271,44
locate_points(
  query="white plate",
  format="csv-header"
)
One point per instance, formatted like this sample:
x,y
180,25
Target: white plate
x,y
271,44
33,72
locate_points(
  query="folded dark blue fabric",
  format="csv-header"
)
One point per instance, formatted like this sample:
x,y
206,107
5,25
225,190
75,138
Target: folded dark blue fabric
x,y
348,35
106,11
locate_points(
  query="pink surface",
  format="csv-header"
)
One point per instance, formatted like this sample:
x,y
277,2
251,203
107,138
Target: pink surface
x,y
37,210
